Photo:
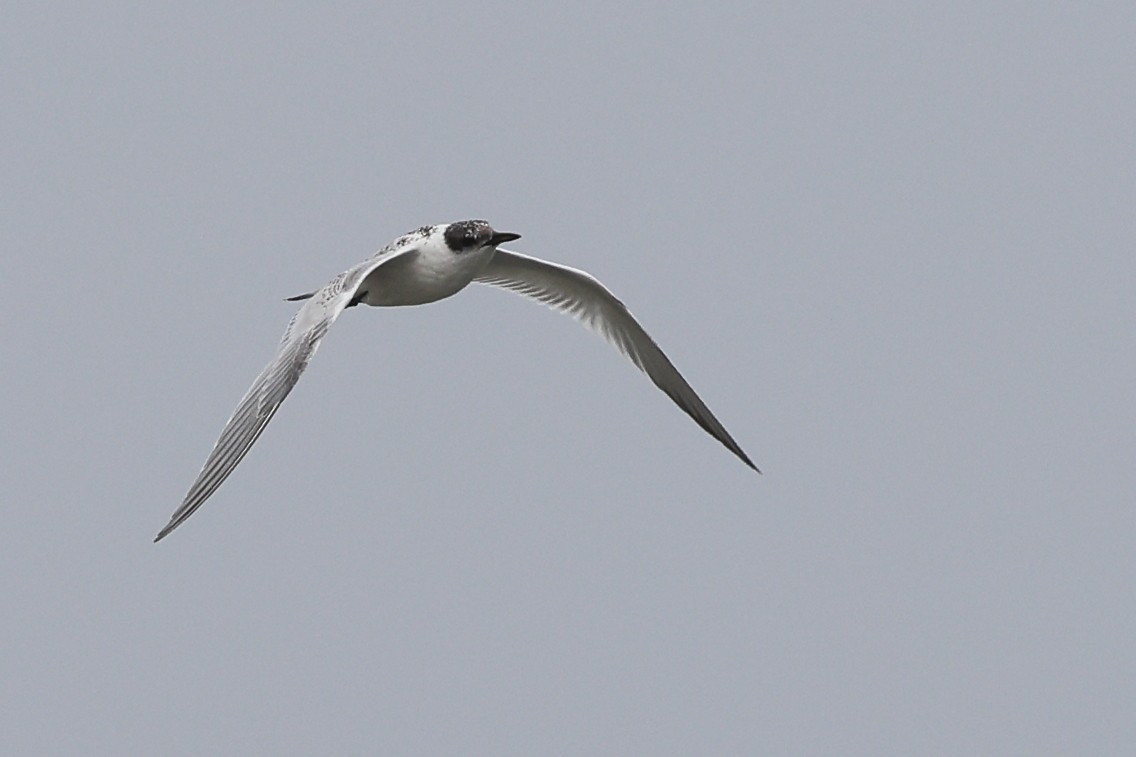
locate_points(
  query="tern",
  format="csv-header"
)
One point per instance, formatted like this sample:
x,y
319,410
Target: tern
x,y
426,265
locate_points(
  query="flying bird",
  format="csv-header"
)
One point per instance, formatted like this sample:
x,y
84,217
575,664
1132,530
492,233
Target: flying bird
x,y
424,266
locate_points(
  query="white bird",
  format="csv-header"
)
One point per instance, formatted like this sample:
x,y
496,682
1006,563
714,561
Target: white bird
x,y
423,266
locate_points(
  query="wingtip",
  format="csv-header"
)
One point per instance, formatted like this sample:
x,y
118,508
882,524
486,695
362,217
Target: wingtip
x,y
741,455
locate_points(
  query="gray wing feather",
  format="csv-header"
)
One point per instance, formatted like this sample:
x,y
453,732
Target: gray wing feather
x,y
580,295
299,344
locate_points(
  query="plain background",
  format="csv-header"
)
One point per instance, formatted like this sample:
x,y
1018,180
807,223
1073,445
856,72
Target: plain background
x,y
891,245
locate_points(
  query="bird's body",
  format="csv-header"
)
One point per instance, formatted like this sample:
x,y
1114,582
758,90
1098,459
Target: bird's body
x,y
430,273
426,265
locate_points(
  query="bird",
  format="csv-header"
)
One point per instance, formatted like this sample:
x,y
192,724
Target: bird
x,y
423,266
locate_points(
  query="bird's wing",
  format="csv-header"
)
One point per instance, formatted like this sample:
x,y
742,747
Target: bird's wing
x,y
581,296
256,408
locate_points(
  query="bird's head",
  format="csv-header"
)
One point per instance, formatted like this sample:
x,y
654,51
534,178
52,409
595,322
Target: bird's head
x,y
467,236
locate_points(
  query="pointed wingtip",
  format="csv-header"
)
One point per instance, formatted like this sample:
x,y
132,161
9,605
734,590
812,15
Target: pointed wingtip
x,y
741,455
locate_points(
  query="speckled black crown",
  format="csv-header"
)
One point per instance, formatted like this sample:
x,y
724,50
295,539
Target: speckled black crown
x,y
465,235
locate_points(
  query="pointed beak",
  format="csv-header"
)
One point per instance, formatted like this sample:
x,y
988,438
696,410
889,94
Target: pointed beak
x,y
501,237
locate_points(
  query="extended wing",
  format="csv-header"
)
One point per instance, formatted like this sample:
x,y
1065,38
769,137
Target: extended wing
x,y
256,408
580,295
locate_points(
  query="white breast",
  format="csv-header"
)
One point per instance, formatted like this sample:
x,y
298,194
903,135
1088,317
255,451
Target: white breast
x,y
432,273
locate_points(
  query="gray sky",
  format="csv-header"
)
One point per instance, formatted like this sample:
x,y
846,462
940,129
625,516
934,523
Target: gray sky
x,y
892,248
